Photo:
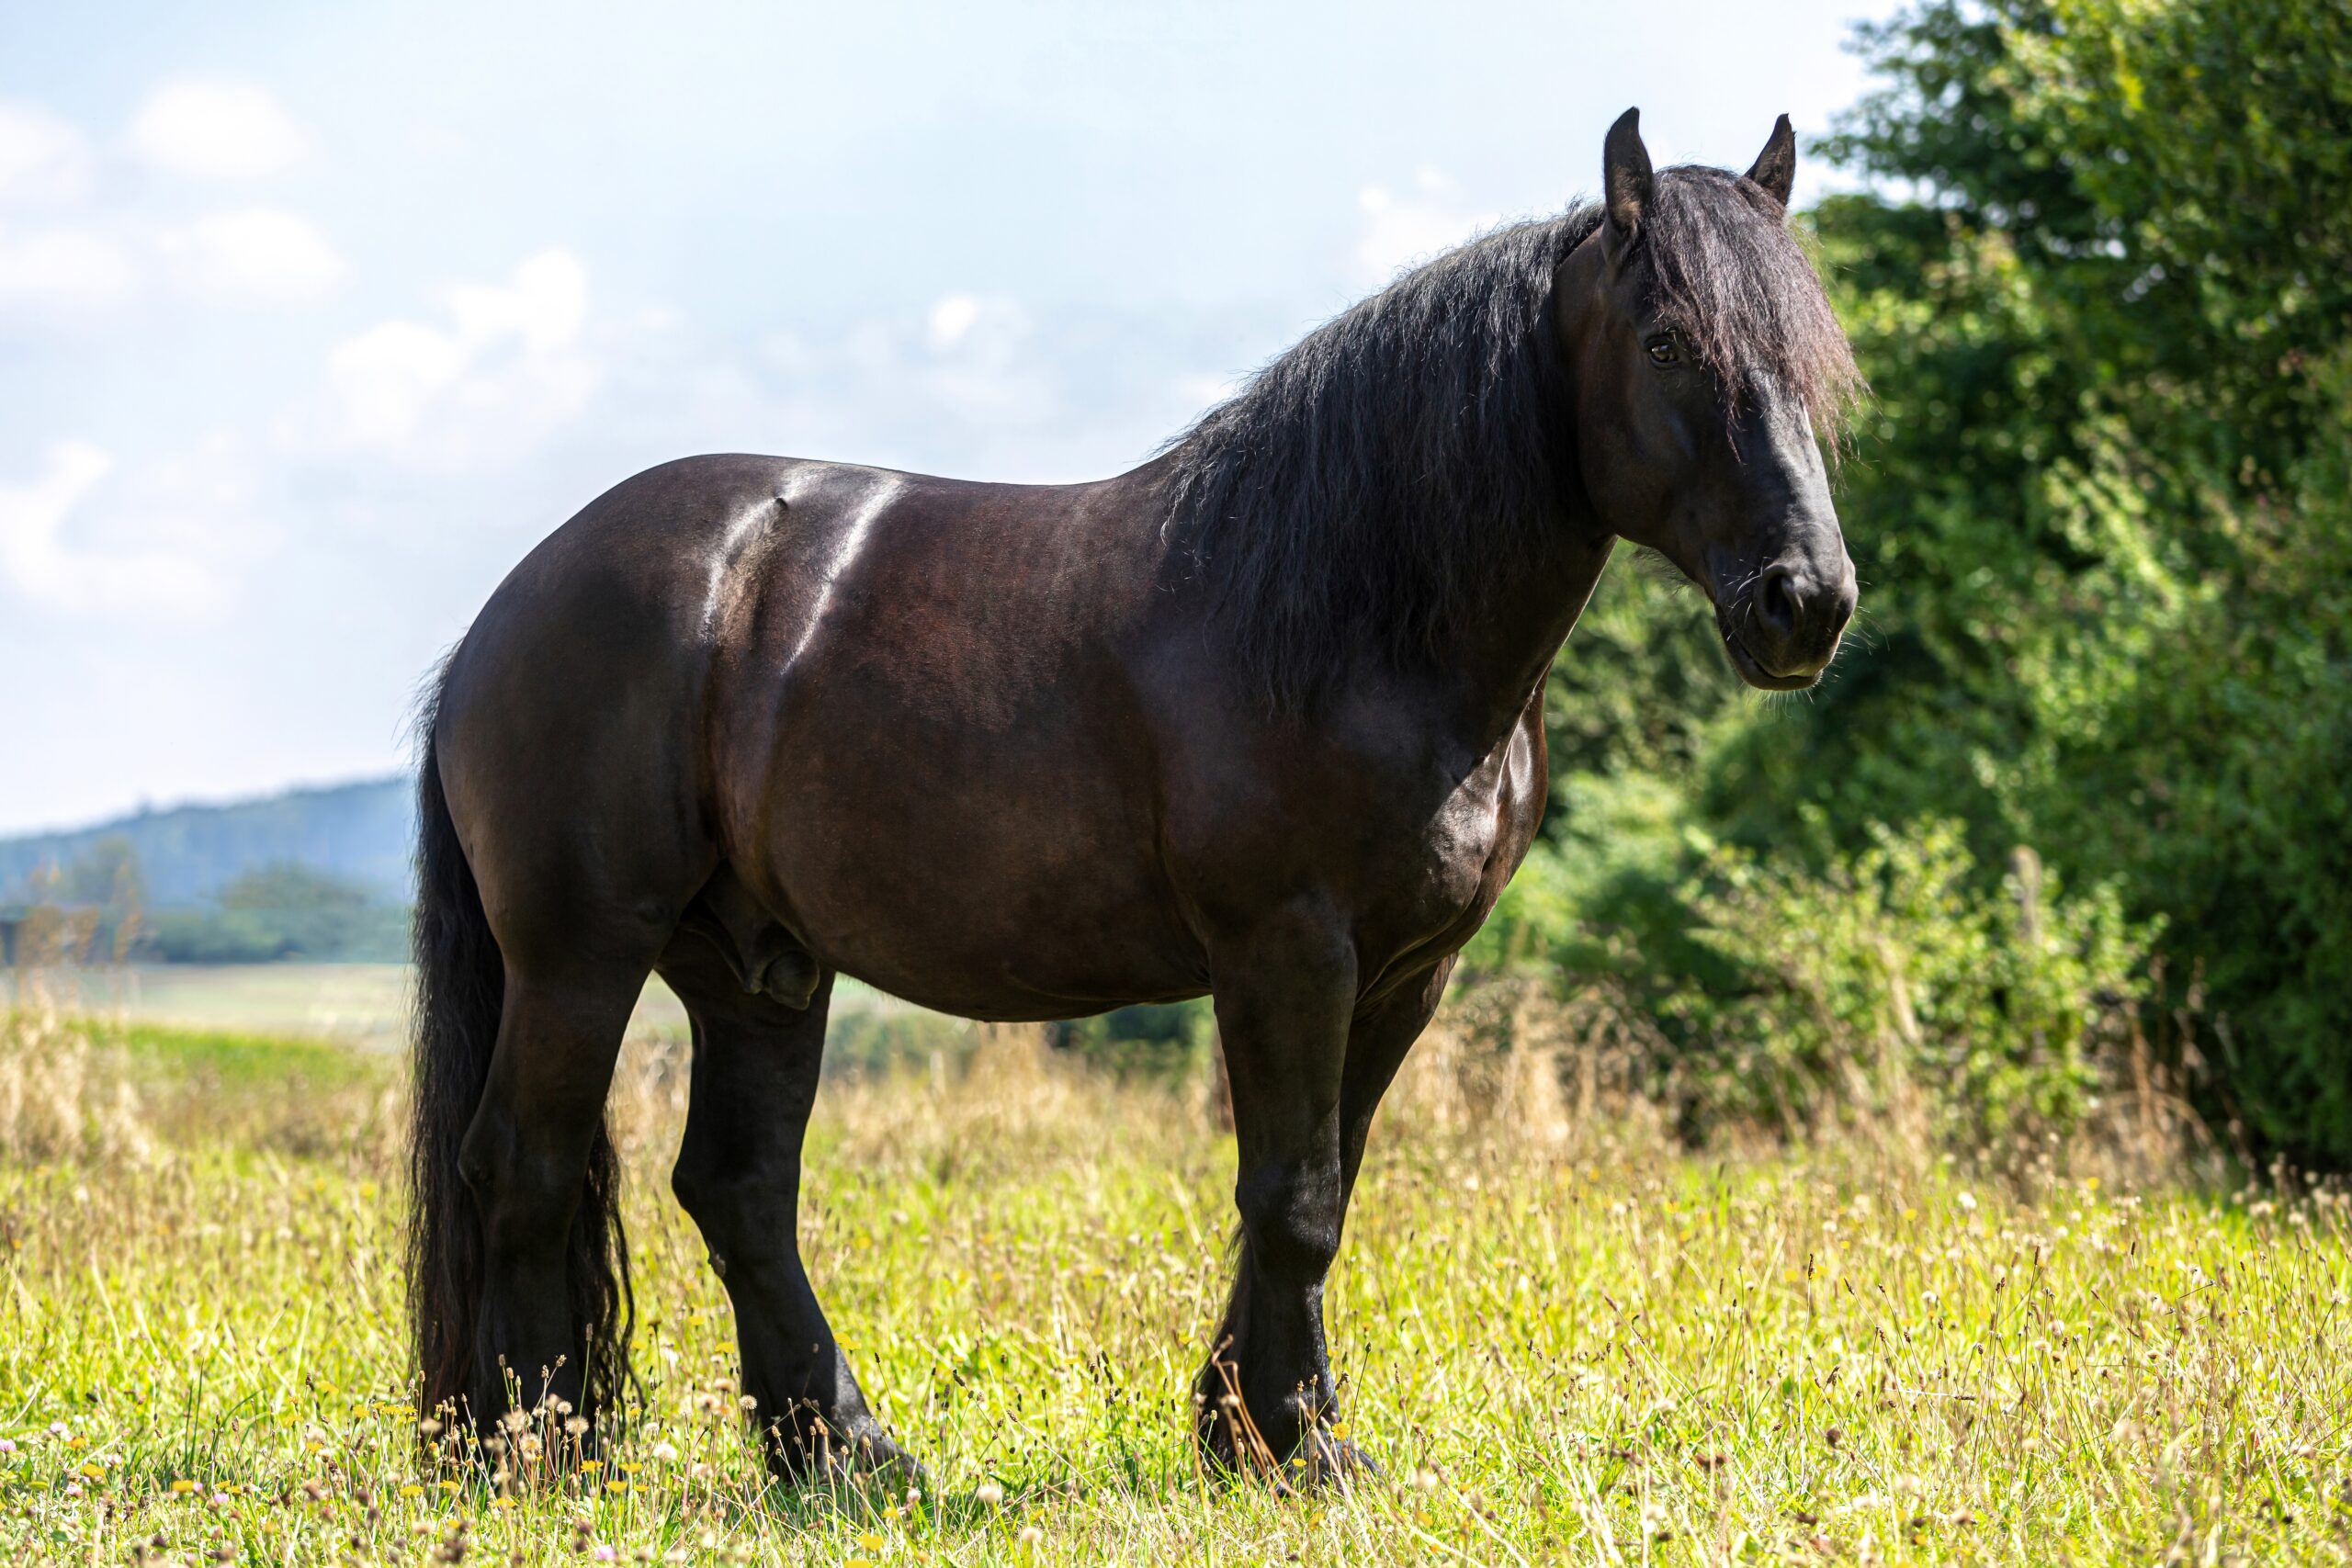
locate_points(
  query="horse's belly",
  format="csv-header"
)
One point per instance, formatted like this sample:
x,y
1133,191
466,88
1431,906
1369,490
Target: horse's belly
x,y
987,891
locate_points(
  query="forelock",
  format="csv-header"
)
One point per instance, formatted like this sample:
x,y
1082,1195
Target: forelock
x,y
1732,278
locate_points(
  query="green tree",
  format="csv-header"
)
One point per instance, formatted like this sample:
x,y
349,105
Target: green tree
x,y
2102,289
286,910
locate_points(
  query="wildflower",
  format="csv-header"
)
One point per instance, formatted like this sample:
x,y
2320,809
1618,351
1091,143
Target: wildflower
x,y
1030,1535
1967,1201
411,1490
7,1446
989,1494
871,1542
665,1453
183,1487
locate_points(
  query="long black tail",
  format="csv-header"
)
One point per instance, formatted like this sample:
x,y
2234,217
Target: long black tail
x,y
460,988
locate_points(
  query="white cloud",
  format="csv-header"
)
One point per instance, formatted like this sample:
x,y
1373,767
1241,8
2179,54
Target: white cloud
x,y
951,318
44,159
258,256
32,517
217,130
983,362
159,551
508,369
1402,229
971,384
72,269
104,257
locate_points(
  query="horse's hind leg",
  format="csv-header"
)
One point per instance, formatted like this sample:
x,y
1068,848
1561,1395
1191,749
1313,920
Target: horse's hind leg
x,y
552,1324
755,1069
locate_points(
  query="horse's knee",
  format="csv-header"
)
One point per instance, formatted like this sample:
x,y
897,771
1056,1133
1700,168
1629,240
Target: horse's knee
x,y
1290,1217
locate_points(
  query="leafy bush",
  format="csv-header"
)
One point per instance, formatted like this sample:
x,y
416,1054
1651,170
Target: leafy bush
x,y
1894,978
2099,276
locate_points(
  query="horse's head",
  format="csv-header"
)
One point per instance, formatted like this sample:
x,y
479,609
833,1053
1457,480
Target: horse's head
x,y
1705,361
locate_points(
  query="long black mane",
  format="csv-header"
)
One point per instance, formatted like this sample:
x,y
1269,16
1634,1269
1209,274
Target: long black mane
x,y
1370,489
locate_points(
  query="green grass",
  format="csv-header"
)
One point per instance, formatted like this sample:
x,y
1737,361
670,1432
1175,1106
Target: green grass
x,y
1565,1341
216,1061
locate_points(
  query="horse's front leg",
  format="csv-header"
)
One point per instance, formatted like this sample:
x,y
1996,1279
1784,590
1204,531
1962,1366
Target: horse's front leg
x,y
1285,997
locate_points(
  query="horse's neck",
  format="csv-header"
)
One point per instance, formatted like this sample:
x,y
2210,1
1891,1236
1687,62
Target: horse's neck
x,y
1508,654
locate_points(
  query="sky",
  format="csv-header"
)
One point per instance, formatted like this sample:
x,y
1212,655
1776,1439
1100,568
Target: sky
x,y
314,319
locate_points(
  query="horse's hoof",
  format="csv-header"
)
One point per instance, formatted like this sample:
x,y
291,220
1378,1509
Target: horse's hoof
x,y
869,1463
1320,1460
1323,1459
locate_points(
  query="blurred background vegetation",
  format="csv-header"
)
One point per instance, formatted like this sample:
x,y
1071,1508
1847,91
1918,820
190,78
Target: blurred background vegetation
x,y
2073,805
2067,834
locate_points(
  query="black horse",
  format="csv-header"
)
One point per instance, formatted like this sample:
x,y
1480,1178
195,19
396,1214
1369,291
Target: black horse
x,y
1261,719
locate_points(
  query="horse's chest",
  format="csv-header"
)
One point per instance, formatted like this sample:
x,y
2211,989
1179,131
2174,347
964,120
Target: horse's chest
x,y
1445,876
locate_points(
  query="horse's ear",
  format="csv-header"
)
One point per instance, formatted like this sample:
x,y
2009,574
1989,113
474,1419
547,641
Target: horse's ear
x,y
1625,180
1776,167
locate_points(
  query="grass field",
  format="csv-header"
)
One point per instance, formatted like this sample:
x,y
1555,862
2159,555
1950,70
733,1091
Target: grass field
x,y
1565,1341
364,1005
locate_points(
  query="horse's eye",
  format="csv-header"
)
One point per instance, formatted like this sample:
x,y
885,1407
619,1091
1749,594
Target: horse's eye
x,y
1663,351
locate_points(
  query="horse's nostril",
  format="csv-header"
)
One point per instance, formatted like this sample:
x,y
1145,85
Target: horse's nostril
x,y
1777,599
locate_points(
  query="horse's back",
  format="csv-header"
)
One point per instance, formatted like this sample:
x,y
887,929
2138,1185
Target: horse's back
x,y
896,706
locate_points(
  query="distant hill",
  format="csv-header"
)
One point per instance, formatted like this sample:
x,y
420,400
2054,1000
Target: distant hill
x,y
363,831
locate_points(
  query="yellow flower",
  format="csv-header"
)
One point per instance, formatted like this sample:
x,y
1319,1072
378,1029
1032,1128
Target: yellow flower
x,y
411,1490
871,1542
183,1486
